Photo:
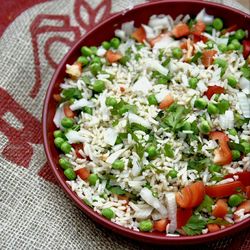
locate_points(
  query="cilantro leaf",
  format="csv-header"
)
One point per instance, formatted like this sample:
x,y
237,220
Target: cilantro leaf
x,y
195,225
117,190
207,204
218,221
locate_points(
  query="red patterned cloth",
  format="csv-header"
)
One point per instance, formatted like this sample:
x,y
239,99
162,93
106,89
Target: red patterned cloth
x,y
35,213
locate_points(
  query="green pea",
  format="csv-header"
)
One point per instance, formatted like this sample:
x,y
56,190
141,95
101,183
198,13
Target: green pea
x,y
200,103
232,81
96,59
87,110
232,132
58,141
168,151
246,146
98,86
67,122
146,225
115,42
93,49
95,68
93,179
108,213
240,34
217,24
64,163
152,100
192,82
122,110
235,200
235,155
58,133
86,51
223,105
106,45
210,44
222,47
86,80
172,173
152,152
236,44
83,60
204,127
177,53
214,168
212,109
70,174
124,60
186,126
230,47
118,165
111,101
66,147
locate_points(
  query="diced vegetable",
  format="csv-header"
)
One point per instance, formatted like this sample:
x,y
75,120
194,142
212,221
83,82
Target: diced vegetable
x,y
180,30
220,209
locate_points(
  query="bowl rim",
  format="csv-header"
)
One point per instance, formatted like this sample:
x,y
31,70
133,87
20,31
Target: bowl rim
x,y
136,235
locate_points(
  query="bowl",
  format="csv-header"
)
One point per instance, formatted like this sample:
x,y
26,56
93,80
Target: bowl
x,y
140,14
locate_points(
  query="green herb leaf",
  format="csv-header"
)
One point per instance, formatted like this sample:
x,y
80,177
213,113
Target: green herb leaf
x,y
71,93
87,202
168,151
195,225
218,221
207,204
117,190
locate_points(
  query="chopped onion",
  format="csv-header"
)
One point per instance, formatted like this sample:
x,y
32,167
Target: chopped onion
x,y
74,137
172,211
221,40
160,96
142,211
78,104
155,65
244,104
143,85
245,85
166,42
203,16
110,136
128,27
133,118
149,32
147,195
227,120
59,115
115,156
136,168
101,51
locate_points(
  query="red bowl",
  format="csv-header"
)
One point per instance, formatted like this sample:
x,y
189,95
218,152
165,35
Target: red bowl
x,y
105,31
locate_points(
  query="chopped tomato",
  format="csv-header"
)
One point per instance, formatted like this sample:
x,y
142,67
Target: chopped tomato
x,y
122,88
213,90
224,190
57,97
183,216
78,147
244,177
191,195
158,39
197,38
246,48
160,225
67,111
198,28
220,209
207,57
123,197
244,205
83,173
180,30
248,192
166,102
112,56
223,154
183,45
139,35
229,29
213,228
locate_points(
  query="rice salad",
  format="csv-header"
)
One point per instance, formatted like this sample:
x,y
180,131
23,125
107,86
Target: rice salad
x,y
153,126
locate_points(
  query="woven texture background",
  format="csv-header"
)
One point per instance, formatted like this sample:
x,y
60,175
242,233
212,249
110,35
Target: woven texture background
x,y
34,212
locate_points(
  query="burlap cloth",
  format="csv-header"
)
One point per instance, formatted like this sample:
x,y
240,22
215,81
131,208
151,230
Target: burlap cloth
x,y
34,211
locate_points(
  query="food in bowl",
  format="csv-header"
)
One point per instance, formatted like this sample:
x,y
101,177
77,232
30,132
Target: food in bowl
x,y
153,125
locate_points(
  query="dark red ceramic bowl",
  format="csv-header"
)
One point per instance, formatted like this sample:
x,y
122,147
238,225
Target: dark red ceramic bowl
x,y
105,31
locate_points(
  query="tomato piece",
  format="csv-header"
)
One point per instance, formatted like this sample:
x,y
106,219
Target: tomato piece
x,y
218,135
198,193
198,28
78,147
213,90
244,205
180,30
197,38
160,225
158,39
229,29
166,102
224,190
248,192
67,111
123,198
139,35
184,197
244,177
83,173
213,228
183,216
112,56
220,209
57,97
207,57
246,48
